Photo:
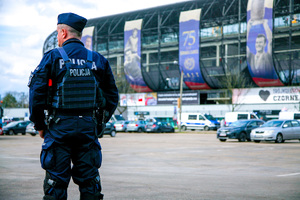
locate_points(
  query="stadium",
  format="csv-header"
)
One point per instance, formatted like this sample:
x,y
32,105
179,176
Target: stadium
x,y
230,55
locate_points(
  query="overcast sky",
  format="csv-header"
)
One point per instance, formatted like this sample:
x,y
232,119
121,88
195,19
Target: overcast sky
x,y
25,24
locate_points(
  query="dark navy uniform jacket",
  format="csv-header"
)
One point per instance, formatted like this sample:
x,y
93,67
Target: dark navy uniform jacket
x,y
52,64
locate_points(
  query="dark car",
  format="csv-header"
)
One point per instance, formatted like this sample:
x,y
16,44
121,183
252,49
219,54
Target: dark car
x,y
109,130
13,128
1,132
240,130
159,127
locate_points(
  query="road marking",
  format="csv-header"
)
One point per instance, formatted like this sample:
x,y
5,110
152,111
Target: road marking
x,y
293,174
25,158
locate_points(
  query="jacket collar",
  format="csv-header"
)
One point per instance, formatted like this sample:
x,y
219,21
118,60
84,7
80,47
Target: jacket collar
x,y
72,40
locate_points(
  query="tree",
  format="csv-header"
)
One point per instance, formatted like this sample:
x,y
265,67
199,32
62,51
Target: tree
x,y
9,101
237,83
15,100
23,100
123,87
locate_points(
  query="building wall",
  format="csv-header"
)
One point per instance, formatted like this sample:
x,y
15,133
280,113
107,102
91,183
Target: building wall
x,y
217,111
22,113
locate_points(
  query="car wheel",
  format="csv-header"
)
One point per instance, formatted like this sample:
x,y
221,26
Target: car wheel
x,y
173,130
183,128
11,132
257,141
279,138
223,140
242,137
32,134
23,133
158,130
113,133
140,130
206,128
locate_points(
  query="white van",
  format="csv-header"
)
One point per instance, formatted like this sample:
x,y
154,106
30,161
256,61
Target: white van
x,y
198,121
289,115
234,116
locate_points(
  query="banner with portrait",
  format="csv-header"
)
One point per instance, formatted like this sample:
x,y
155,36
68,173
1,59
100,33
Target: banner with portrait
x,y
189,49
259,43
132,55
87,37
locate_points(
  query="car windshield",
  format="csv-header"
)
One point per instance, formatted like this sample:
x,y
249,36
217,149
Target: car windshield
x,y
209,117
272,124
11,124
238,123
119,117
119,122
132,122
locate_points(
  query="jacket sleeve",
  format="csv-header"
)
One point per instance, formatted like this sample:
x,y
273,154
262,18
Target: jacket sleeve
x,y
38,85
110,90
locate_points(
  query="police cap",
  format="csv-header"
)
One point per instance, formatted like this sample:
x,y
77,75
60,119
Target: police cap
x,y
75,21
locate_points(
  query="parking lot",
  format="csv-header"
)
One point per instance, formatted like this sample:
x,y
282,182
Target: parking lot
x,y
140,166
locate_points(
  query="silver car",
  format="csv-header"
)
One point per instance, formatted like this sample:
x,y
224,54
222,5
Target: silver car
x,y
30,129
121,126
136,126
277,130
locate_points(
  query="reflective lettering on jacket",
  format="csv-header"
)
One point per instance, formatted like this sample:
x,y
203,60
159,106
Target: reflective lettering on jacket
x,y
80,72
77,62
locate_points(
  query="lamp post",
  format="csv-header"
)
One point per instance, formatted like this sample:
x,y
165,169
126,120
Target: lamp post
x,y
180,98
180,94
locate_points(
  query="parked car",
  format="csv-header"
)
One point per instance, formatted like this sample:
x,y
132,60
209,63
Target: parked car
x,y
277,130
109,130
30,129
240,130
159,127
136,126
121,126
200,121
234,116
13,128
289,115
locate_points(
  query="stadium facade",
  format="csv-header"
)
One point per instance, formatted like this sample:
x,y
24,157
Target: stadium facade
x,y
233,55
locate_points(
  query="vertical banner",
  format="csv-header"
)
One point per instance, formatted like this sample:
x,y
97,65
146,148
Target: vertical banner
x,y
189,23
132,55
259,43
87,37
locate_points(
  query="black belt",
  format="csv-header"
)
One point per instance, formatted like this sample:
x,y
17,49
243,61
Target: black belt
x,y
88,113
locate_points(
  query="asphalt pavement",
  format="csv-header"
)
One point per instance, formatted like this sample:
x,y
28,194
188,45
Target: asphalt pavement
x,y
186,166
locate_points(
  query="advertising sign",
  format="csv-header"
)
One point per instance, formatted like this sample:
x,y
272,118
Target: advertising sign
x,y
132,55
171,98
138,99
259,43
266,95
87,37
189,23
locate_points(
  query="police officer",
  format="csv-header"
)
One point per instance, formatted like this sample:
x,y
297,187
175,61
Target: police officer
x,y
66,83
